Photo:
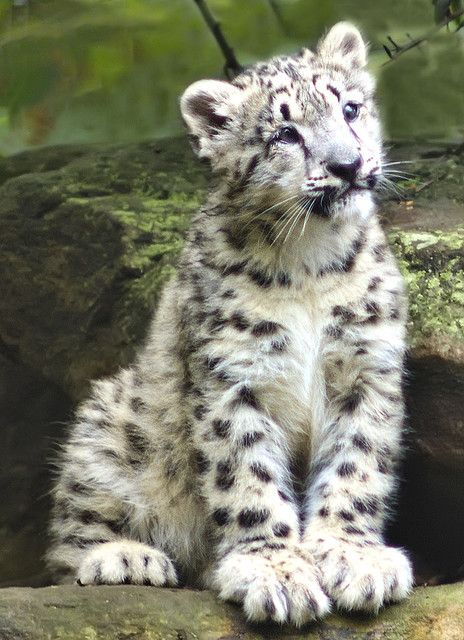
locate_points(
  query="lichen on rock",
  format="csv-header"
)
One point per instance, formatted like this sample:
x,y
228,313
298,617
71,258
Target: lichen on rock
x,y
432,263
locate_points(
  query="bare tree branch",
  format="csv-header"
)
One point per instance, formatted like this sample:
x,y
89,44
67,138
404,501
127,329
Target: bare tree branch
x,y
232,67
278,15
395,50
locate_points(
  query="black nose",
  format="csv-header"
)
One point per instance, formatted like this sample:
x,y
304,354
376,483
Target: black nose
x,y
345,170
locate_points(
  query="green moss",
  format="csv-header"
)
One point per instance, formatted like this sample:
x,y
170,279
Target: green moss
x,y
432,264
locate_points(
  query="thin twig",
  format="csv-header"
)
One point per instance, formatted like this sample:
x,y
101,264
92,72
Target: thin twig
x,y
397,50
232,66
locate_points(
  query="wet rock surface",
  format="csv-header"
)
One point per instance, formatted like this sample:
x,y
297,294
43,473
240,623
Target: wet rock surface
x,y
89,236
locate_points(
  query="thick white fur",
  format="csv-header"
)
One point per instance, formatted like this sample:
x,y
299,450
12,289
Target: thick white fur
x,y
272,370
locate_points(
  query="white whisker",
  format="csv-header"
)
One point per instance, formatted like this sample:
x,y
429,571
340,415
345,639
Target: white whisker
x,y
293,211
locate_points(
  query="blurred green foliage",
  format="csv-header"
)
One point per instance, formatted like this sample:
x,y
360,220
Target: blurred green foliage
x,y
112,70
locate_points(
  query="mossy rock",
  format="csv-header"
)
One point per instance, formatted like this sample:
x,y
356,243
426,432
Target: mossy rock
x,y
89,236
88,241
130,613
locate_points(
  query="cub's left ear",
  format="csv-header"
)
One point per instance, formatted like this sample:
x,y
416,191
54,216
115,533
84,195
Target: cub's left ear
x,y
208,107
344,41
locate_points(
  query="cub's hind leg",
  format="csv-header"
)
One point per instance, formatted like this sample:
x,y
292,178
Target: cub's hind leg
x,y
106,525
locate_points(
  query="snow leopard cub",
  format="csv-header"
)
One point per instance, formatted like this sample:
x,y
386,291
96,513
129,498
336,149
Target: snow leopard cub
x,y
252,446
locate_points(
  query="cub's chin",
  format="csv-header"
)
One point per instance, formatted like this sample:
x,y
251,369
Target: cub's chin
x,y
355,204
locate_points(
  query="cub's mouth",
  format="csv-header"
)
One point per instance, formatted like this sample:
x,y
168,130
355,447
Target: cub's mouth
x,y
323,203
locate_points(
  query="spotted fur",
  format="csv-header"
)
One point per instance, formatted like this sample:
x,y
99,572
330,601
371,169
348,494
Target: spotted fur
x,y
252,447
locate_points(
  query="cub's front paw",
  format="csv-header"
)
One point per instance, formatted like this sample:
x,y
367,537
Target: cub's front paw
x,y
273,583
362,578
126,562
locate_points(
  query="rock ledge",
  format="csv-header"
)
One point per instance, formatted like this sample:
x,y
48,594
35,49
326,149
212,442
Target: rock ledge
x,y
145,613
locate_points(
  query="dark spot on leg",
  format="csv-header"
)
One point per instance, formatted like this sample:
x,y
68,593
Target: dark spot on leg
x,y
362,443
345,515
117,392
260,471
353,531
274,546
212,363
374,283
203,465
88,517
279,345
344,313
137,405
136,440
281,530
200,411
346,469
351,402
78,487
251,438
235,268
379,252
368,504
283,279
221,428
333,331
221,517
246,396
239,321
372,307
248,518
228,294
382,465
259,277
224,476
265,328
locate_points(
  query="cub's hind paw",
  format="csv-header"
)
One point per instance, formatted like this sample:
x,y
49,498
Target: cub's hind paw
x,y
281,585
126,562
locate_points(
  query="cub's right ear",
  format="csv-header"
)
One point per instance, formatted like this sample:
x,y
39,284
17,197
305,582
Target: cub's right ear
x,y
208,108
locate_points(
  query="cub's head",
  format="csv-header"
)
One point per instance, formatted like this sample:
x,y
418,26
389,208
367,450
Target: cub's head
x,y
298,131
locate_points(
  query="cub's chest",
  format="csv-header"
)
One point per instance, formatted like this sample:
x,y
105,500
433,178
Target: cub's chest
x,y
293,389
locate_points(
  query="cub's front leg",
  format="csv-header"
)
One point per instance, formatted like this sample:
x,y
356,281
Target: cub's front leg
x,y
244,478
353,470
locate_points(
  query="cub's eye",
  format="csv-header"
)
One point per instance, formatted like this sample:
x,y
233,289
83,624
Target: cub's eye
x,y
351,111
289,135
